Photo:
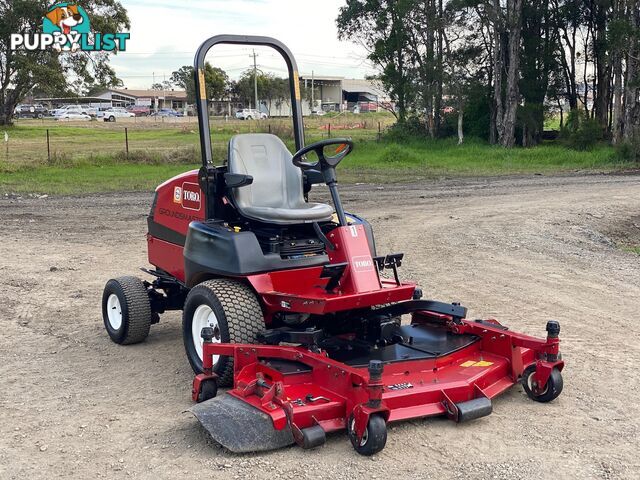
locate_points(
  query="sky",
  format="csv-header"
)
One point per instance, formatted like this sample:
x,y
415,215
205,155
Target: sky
x,y
165,35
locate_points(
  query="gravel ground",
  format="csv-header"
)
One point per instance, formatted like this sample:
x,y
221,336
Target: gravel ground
x,y
523,250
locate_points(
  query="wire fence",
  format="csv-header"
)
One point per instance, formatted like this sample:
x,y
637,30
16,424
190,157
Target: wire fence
x,y
170,140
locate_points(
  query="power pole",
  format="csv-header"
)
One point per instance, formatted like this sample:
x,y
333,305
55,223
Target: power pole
x,y
313,93
255,79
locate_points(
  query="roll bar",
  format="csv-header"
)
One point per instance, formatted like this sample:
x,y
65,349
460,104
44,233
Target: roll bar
x,y
201,92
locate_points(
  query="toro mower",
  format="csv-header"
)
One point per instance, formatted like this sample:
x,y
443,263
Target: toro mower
x,y
289,303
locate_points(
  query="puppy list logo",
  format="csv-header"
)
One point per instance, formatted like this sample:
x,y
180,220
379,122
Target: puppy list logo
x,y
66,27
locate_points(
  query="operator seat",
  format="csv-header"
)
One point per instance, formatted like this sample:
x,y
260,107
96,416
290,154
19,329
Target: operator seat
x,y
276,194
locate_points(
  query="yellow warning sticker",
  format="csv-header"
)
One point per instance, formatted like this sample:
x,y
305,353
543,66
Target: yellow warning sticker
x,y
483,364
471,363
296,85
203,88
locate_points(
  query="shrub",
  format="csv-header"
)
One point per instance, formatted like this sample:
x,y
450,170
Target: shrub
x,y
581,132
630,150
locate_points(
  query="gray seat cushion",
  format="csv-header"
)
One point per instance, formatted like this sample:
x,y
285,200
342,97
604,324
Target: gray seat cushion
x,y
276,194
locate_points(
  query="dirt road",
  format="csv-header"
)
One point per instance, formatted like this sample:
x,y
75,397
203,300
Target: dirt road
x,y
75,405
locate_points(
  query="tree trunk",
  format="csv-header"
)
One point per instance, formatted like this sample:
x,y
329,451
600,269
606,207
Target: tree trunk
x,y
602,66
513,76
631,79
498,68
437,103
617,120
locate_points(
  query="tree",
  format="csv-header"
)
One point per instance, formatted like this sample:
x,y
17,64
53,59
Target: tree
x,y
216,81
165,85
379,26
23,71
507,28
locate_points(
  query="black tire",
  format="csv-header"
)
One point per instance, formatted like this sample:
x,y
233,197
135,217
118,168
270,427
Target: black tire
x,y
374,438
249,118
553,387
135,306
240,320
208,390
112,118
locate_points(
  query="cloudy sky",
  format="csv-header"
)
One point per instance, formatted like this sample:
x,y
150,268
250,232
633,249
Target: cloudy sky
x,y
165,35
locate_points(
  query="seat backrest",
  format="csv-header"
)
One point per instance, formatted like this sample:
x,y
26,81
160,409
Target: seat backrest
x,y
277,182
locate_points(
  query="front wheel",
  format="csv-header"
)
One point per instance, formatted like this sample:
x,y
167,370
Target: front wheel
x,y
374,438
551,390
232,310
112,118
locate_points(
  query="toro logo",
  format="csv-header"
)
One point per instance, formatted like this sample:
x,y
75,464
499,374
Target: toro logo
x,y
188,196
362,264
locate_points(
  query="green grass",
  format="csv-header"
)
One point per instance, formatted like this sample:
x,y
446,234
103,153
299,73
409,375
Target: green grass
x,y
90,157
633,249
432,159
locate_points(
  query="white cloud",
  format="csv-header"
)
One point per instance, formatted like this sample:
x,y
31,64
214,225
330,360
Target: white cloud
x,y
165,35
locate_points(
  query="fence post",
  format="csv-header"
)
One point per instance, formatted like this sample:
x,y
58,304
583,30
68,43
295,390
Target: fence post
x,y
48,148
126,141
329,130
269,128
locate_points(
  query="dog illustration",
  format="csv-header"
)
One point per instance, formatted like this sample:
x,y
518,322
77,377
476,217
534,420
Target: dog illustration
x,y
65,18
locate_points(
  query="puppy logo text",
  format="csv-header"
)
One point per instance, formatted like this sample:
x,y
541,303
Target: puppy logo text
x,y
66,28
188,196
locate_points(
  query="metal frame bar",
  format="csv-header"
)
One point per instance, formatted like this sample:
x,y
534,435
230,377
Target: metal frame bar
x,y
201,97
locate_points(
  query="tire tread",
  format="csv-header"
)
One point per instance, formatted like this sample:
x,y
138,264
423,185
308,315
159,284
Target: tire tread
x,y
138,307
243,313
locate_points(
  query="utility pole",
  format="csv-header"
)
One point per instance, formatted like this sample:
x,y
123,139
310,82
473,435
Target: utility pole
x,y
255,79
313,93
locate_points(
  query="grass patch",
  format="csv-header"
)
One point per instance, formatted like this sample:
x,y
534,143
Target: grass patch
x,y
91,157
633,249
475,158
88,178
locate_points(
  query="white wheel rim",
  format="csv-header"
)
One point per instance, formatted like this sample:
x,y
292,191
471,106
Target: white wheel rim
x,y
365,435
532,385
204,317
114,311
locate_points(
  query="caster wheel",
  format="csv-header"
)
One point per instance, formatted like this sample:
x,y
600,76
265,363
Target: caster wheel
x,y
208,390
374,438
551,390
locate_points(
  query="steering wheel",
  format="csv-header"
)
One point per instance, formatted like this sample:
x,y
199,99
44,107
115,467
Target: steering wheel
x,y
344,148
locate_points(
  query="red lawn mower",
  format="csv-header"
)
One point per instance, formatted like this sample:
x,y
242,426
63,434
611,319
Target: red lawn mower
x,y
289,303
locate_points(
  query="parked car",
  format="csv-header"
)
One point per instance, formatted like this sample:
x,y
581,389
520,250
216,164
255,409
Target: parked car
x,y
111,114
30,111
319,112
73,116
91,111
251,114
166,112
139,110
81,109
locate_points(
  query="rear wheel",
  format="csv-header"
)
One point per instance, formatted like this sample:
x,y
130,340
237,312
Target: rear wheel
x,y
126,310
232,310
112,118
